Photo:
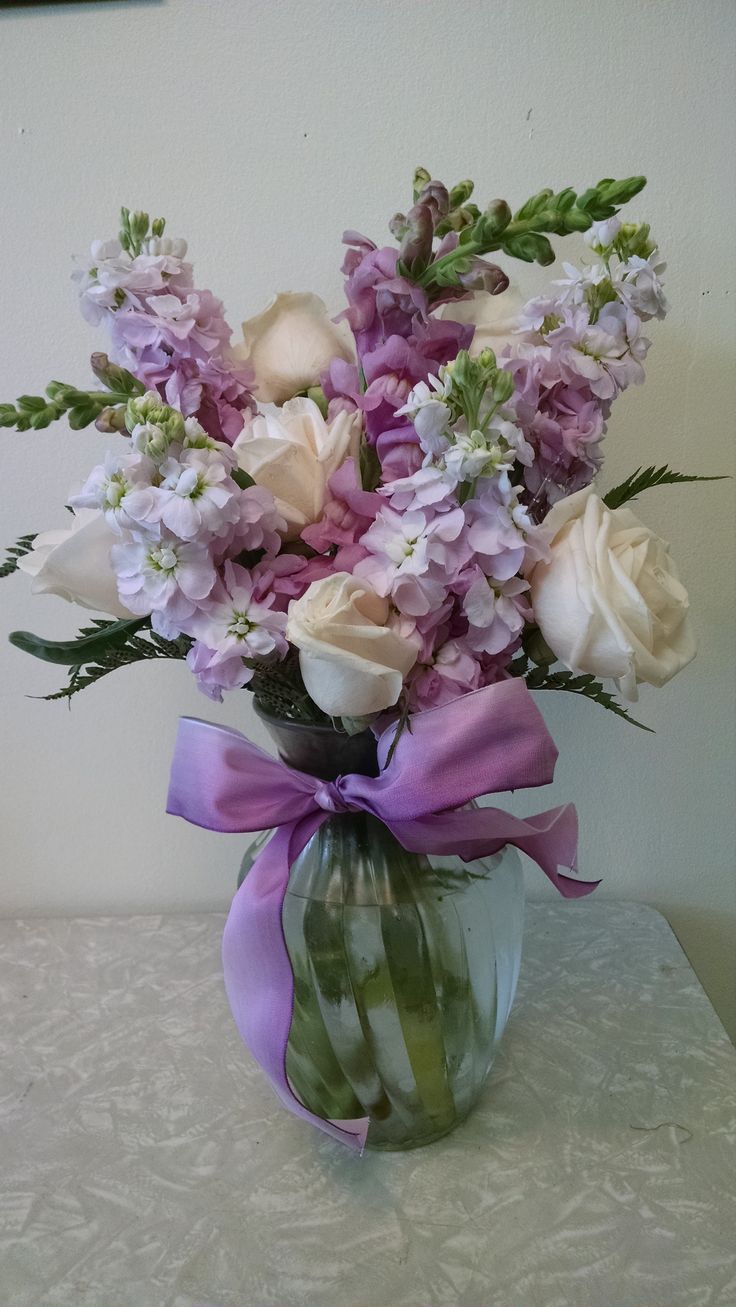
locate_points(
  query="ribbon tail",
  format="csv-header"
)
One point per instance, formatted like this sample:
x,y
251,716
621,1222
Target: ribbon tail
x,y
258,976
549,838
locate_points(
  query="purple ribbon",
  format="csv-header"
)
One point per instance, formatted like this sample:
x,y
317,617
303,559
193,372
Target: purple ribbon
x,y
491,740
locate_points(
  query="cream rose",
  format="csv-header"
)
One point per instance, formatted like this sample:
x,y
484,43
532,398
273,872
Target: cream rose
x,y
609,602
75,564
352,663
495,318
289,344
293,453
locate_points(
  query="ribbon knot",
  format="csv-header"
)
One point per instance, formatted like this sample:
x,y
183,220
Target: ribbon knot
x,y
481,743
328,797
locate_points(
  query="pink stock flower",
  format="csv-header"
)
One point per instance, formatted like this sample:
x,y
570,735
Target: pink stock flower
x,y
496,611
348,512
234,622
414,557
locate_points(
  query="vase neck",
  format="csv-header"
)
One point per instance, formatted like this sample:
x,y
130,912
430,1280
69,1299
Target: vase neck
x,y
321,751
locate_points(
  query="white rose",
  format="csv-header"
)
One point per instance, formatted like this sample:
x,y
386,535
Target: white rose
x,y
293,453
75,564
289,344
495,318
353,664
610,602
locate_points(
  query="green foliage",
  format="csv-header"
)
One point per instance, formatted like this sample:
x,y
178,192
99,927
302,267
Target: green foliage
x,y
21,547
525,235
280,691
242,478
645,479
82,407
370,466
89,646
542,678
120,650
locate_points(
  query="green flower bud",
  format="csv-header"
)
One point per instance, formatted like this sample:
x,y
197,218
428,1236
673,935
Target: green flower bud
x,y
503,386
111,419
496,217
149,409
487,359
157,227
420,179
460,194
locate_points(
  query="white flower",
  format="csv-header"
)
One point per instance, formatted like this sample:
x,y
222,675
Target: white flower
x,y
352,662
578,281
75,564
495,317
294,453
197,494
289,344
609,602
430,415
165,578
121,488
641,288
601,235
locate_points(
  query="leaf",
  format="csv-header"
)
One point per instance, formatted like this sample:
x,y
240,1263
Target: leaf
x,y
541,678
242,478
370,466
645,479
15,552
85,649
137,648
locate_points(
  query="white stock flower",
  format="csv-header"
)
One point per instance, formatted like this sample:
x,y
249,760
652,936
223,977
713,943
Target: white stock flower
x,y
166,578
609,602
121,488
197,494
75,564
293,454
289,344
352,662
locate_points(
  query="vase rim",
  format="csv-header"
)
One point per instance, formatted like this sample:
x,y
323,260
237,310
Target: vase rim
x,y
284,723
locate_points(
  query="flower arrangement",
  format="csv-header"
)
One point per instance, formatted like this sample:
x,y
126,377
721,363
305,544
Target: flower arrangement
x,y
415,520
383,522
410,517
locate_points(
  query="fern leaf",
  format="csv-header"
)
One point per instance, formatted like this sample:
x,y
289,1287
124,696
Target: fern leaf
x,y
645,479
541,678
139,646
21,547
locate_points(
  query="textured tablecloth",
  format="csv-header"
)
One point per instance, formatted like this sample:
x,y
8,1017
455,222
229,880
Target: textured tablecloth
x,y
146,1163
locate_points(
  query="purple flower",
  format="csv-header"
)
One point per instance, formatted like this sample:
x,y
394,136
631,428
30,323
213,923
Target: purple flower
x,y
454,669
606,355
349,511
496,611
164,578
382,303
233,623
499,531
414,557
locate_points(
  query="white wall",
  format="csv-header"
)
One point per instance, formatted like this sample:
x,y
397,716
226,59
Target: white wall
x,y
261,130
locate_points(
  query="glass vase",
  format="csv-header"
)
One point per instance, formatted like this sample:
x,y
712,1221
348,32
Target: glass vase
x,y
405,965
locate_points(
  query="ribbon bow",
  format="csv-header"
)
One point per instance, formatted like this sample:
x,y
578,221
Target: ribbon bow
x,y
491,740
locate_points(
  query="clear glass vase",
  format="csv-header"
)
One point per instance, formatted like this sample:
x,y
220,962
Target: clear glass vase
x,y
405,966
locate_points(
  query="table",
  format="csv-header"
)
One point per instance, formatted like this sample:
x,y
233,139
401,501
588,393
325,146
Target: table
x,y
146,1163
